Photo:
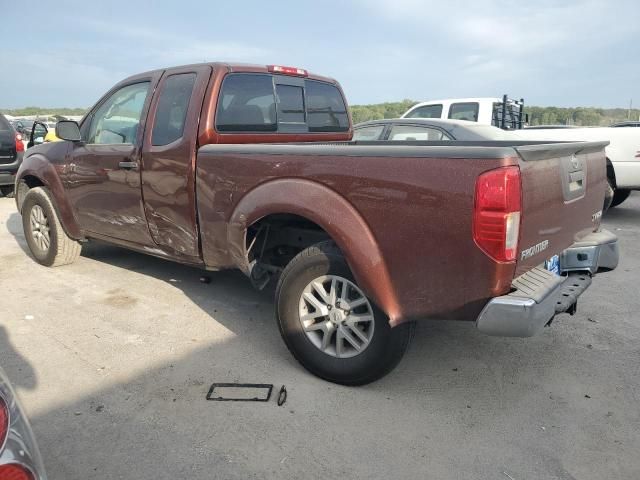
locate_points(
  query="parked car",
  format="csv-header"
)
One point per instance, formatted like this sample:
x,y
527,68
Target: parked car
x,y
623,167
19,454
363,240
427,129
11,153
628,123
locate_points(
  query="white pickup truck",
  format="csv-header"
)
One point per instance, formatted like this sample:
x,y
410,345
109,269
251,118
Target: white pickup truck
x,y
623,151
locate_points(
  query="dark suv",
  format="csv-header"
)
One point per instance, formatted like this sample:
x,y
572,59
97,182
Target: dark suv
x,y
11,152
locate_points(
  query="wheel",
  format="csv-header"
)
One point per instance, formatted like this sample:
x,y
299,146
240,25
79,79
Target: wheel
x,y
619,196
47,240
329,324
6,190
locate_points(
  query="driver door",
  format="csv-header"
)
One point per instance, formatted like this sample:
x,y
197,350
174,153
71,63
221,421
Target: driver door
x,y
102,176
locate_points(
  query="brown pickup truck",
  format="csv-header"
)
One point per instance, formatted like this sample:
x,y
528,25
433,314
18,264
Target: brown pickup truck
x,y
362,238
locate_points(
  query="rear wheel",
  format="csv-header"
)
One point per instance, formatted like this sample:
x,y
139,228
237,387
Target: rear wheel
x,y
329,324
6,190
47,240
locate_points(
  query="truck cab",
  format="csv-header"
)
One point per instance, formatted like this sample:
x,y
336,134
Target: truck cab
x,y
487,111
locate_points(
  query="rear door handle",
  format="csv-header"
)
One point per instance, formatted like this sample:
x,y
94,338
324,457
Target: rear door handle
x,y
128,165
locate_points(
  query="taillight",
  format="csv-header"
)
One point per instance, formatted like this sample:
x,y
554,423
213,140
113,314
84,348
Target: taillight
x,y
287,70
14,471
19,144
496,219
4,421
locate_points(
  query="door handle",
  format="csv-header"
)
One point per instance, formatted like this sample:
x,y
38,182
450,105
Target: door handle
x,y
128,165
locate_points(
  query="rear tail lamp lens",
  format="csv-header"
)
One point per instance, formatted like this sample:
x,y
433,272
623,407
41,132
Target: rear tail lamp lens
x,y
13,471
19,144
4,421
496,220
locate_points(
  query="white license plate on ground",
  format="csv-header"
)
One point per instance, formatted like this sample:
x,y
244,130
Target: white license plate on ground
x,y
553,264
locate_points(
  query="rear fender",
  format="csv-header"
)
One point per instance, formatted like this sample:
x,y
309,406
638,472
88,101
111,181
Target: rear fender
x,y
38,166
335,215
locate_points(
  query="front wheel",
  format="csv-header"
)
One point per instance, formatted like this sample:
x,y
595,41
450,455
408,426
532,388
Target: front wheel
x,y
47,240
329,324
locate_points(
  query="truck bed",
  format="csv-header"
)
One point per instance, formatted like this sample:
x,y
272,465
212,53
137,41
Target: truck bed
x,y
418,213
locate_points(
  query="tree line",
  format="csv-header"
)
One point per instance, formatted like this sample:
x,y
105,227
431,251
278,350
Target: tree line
x,y
581,116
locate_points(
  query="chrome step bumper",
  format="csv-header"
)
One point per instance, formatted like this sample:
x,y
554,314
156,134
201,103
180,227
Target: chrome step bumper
x,y
539,294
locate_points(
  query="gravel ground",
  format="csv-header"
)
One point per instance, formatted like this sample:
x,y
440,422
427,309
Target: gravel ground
x,y
113,357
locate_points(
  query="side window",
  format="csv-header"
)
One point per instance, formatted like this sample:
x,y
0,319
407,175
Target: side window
x,y
464,111
427,111
416,132
173,104
326,110
247,104
368,133
118,118
290,104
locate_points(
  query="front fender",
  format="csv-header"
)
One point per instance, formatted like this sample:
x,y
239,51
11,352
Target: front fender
x,y
335,215
38,167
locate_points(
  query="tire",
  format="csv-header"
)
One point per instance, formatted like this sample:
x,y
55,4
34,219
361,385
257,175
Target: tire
x,y
6,190
47,240
336,359
608,194
619,196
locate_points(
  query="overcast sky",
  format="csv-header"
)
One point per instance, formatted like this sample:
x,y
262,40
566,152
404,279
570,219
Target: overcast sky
x,y
563,53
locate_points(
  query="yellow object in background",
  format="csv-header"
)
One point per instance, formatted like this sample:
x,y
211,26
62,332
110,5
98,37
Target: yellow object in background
x,y
51,136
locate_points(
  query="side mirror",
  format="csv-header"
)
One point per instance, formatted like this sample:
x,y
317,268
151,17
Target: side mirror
x,y
68,130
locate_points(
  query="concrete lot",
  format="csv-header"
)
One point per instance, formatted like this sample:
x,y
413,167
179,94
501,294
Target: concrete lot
x,y
113,357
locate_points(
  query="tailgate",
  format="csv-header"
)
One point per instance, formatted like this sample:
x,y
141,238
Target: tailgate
x,y
7,147
563,188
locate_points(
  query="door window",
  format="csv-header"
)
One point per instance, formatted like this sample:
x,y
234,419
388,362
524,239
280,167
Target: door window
x,y
171,112
118,118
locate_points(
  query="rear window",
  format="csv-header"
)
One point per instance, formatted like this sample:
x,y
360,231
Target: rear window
x,y
511,115
325,108
464,111
368,133
290,104
426,111
4,123
259,103
416,133
247,104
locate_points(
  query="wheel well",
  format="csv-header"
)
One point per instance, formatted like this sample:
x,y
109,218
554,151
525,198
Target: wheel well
x,y
273,241
26,183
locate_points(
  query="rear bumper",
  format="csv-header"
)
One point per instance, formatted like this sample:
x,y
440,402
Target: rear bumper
x,y
8,171
540,295
7,178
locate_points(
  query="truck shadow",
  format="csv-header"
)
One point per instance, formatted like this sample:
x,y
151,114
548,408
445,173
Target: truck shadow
x,y
229,298
21,373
